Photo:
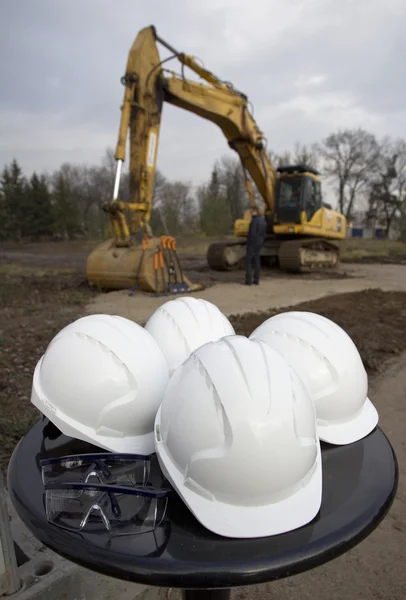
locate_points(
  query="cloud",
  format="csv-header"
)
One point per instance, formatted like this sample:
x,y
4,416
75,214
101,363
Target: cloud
x,y
309,68
305,81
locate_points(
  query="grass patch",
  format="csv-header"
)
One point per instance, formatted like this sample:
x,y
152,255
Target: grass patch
x,y
32,310
14,269
354,249
197,244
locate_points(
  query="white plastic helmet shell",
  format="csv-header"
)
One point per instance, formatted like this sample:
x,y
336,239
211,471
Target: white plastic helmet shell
x,y
101,380
236,437
181,326
327,360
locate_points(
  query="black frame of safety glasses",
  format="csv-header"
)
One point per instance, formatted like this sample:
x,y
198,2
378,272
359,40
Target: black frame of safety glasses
x,y
94,456
100,460
118,489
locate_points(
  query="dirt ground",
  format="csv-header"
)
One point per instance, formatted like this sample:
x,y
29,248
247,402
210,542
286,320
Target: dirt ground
x,y
42,292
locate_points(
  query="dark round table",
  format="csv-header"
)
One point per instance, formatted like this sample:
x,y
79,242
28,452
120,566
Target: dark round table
x,y
359,485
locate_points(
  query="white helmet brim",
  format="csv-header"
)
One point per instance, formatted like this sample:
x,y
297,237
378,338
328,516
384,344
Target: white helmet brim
x,y
351,431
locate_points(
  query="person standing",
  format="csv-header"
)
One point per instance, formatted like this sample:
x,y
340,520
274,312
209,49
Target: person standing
x,y
255,241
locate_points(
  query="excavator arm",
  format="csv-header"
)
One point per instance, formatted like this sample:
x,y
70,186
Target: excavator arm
x,y
141,115
229,111
147,86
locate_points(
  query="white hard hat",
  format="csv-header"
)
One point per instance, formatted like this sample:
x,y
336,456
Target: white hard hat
x,y
236,437
181,326
101,380
327,360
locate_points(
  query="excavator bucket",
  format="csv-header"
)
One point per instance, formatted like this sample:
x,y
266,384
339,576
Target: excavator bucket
x,y
149,267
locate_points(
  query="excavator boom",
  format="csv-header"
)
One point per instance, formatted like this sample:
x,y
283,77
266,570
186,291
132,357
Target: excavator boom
x,y
229,110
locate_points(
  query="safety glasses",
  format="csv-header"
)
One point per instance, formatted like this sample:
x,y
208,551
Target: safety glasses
x,y
103,468
96,507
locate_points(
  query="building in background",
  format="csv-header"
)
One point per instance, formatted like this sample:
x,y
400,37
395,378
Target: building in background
x,y
360,226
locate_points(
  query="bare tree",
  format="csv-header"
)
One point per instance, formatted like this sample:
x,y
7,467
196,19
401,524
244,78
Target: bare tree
x,y
109,163
274,158
214,209
301,155
306,155
350,158
231,179
174,208
158,222
387,194
281,160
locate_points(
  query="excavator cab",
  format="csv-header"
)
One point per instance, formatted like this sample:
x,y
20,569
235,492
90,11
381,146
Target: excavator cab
x,y
297,195
298,190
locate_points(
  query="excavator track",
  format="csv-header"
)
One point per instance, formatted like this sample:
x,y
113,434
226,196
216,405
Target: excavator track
x,y
226,256
304,255
297,256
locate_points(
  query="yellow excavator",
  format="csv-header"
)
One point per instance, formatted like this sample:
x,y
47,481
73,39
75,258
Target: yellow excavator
x,y
302,230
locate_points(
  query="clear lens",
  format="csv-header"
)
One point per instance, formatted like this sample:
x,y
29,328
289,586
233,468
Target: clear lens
x,y
101,508
92,469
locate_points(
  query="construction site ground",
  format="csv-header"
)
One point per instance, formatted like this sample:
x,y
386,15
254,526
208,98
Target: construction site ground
x,y
43,288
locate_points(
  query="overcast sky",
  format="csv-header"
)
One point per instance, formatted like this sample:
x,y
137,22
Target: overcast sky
x,y
309,68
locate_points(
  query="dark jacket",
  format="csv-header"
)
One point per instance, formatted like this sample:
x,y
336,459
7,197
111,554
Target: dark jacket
x,y
256,232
